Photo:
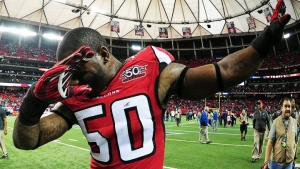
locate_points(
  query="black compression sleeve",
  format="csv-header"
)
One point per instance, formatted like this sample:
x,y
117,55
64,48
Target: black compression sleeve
x,y
31,109
180,81
219,77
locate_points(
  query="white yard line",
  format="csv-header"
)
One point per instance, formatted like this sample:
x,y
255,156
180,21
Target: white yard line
x,y
69,145
236,145
210,132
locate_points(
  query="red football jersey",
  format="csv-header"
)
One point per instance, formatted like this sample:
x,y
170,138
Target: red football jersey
x,y
124,125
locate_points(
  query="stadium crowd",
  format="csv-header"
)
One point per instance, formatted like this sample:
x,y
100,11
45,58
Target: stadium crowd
x,y
27,52
283,63
272,62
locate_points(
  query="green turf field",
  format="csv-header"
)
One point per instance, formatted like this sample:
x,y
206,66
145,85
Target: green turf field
x,y
183,150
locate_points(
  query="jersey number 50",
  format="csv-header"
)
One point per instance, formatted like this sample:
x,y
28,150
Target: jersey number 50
x,y
101,148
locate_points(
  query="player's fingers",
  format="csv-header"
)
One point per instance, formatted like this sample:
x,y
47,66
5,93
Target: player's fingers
x,y
85,58
80,49
275,15
85,50
75,56
79,90
284,10
52,73
278,5
74,60
285,19
89,54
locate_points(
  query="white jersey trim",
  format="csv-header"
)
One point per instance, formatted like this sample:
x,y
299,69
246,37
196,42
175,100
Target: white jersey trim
x,y
161,56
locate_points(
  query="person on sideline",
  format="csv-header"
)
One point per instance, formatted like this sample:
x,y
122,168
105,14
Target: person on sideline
x,y
106,98
220,117
173,112
260,121
229,118
210,117
243,124
3,131
177,118
179,110
204,124
225,118
294,110
283,140
215,120
232,119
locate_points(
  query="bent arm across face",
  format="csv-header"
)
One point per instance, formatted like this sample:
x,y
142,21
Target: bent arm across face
x,y
49,127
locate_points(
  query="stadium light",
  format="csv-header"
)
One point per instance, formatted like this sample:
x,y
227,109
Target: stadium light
x,y
52,36
286,35
25,32
97,10
135,47
22,32
62,1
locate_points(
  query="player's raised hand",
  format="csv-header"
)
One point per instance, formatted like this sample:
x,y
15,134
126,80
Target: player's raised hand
x,y
272,34
54,85
279,20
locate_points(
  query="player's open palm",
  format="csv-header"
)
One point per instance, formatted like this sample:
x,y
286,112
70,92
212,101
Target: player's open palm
x,y
54,85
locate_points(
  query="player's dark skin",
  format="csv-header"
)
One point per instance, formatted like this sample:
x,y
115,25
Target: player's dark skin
x,y
234,69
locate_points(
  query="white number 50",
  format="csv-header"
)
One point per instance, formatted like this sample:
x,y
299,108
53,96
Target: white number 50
x,y
129,131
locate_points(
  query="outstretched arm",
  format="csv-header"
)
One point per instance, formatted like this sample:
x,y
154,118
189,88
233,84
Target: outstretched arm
x,y
206,80
234,69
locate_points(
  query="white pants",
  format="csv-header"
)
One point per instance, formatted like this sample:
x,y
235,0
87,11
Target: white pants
x,y
215,125
2,145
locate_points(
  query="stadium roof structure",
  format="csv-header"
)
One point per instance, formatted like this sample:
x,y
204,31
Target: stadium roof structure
x,y
152,14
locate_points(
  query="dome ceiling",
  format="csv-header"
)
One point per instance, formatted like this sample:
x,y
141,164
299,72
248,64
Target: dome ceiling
x,y
202,17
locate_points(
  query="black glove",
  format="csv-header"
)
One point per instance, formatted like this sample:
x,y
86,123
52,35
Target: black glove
x,y
272,34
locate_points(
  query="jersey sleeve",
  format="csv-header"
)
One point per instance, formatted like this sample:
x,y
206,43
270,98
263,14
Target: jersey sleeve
x,y
163,55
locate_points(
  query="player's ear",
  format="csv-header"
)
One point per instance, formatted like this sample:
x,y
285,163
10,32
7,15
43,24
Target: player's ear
x,y
105,54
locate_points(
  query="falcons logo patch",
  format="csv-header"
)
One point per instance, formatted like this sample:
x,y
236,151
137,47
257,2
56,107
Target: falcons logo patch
x,y
133,72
